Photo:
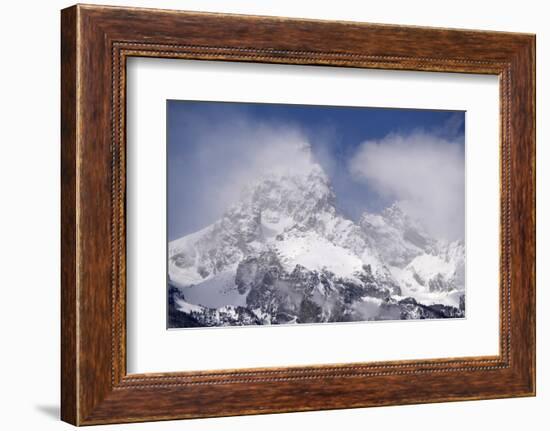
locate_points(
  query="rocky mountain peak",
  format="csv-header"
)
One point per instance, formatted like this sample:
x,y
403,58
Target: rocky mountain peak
x,y
295,194
284,254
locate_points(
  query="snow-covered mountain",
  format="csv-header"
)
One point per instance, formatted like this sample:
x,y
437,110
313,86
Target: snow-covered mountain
x,y
284,254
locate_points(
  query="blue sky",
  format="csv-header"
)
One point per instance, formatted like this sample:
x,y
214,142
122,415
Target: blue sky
x,y
206,142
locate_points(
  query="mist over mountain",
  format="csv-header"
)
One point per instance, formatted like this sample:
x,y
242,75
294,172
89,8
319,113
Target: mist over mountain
x,y
283,254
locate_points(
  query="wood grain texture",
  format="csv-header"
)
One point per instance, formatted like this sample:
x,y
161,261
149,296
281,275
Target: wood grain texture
x,y
69,397
96,41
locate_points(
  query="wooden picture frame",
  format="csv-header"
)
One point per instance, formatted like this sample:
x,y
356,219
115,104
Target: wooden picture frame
x,y
96,41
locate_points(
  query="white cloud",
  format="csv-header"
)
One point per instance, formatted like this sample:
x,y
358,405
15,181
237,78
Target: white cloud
x,y
234,152
423,172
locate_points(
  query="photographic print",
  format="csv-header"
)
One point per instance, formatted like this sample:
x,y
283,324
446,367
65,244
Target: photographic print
x,y
299,214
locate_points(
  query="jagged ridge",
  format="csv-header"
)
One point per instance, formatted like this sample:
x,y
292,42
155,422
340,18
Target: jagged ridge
x,y
284,254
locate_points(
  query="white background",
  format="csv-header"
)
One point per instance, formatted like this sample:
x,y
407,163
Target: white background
x,y
29,225
152,349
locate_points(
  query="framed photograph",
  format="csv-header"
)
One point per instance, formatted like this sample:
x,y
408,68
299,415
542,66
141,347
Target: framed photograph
x,y
265,215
